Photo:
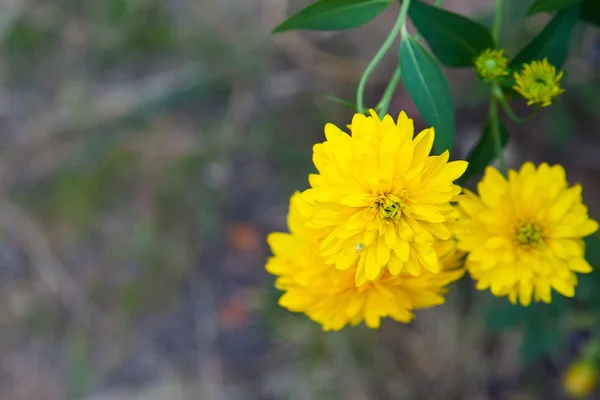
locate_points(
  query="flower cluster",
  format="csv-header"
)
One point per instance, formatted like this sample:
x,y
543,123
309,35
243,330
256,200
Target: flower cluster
x,y
372,237
383,229
538,82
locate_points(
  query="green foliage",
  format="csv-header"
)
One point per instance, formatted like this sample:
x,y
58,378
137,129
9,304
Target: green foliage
x,y
331,15
541,339
455,40
552,42
138,27
544,333
550,5
428,88
26,37
28,41
484,151
590,12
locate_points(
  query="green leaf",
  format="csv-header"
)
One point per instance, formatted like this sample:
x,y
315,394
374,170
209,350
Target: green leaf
x,y
590,12
429,90
333,15
550,5
484,152
552,42
455,40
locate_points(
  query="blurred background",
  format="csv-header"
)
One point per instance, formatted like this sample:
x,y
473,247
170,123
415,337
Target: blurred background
x,y
146,149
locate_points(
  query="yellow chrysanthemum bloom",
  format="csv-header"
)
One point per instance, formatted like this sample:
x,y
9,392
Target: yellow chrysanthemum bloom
x,y
383,199
491,64
330,297
538,82
580,379
525,234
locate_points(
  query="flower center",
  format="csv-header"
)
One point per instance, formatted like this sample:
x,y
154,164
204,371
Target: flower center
x,y
529,235
490,63
389,206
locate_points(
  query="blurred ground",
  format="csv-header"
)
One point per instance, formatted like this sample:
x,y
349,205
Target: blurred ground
x,y
148,147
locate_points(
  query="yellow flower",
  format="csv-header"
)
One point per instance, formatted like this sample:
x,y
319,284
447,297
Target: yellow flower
x,y
381,197
491,64
525,234
538,82
330,296
580,379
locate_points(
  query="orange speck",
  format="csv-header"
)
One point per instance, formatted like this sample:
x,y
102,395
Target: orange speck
x,y
234,313
244,237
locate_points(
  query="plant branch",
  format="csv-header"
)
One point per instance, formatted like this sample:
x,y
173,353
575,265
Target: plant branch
x,y
384,103
498,19
499,95
400,23
514,117
495,125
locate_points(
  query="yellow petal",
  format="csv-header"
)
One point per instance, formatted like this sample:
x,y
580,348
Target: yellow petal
x,y
590,226
563,287
372,268
356,200
439,231
346,259
390,236
581,265
406,124
454,170
562,205
402,250
423,144
395,265
383,252
525,293
558,249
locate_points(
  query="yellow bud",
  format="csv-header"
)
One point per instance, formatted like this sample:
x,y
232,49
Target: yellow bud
x,y
538,82
491,64
579,379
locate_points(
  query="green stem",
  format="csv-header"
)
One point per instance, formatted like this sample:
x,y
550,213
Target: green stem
x,y
495,121
499,95
511,114
495,125
400,22
384,103
498,19
438,3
